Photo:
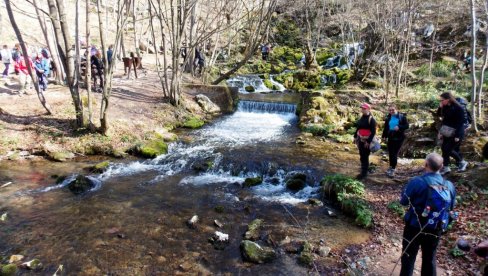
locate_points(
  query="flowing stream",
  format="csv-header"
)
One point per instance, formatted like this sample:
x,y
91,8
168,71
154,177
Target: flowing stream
x,y
133,221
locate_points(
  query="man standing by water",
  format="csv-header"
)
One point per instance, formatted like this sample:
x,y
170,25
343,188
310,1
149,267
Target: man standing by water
x,y
431,200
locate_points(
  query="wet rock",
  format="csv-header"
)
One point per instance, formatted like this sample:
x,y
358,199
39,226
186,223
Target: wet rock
x,y
60,156
34,264
8,270
219,209
3,217
100,167
15,259
324,251
80,185
219,240
296,182
151,149
192,223
206,104
218,224
249,88
112,230
315,202
331,213
253,252
306,256
252,181
202,165
253,230
121,236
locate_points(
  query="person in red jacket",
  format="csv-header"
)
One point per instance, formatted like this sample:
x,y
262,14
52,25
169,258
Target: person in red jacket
x,y
24,77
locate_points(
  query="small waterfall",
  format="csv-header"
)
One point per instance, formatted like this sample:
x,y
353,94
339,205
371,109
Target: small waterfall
x,y
266,107
277,84
248,80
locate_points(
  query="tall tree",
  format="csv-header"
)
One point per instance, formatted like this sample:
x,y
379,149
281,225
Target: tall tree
x,y
88,76
473,63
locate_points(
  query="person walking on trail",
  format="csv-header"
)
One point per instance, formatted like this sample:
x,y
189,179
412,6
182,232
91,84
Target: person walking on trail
x,y
42,66
365,132
265,49
394,134
431,201
199,61
110,53
97,70
452,131
24,77
6,55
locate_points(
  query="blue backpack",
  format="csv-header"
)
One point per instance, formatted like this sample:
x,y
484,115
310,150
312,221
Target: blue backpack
x,y
437,209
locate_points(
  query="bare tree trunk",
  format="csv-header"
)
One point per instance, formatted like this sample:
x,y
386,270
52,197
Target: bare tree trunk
x,y
27,59
88,76
69,63
482,77
473,64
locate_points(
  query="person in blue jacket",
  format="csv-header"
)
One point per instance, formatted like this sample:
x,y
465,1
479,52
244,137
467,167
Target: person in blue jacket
x,y
42,67
415,234
394,134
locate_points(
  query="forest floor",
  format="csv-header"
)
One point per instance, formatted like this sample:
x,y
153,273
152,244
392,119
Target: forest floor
x,y
136,108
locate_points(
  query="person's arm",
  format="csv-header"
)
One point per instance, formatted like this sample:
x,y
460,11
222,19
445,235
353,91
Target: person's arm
x,y
386,129
403,124
372,128
409,192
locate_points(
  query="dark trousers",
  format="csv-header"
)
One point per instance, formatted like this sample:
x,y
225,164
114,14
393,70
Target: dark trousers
x,y
5,72
364,157
42,81
428,241
393,149
265,55
450,148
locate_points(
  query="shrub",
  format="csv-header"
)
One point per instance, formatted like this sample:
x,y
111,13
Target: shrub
x,y
317,129
286,54
397,208
340,184
193,122
440,69
322,55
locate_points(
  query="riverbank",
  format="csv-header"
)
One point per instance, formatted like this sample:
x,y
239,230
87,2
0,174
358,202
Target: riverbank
x,y
137,113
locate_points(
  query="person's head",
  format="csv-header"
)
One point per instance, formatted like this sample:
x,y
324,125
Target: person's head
x,y
392,109
110,47
365,108
39,55
5,47
447,98
433,162
99,54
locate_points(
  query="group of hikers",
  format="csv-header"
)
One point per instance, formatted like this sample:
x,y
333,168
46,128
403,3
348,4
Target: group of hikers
x,y
40,62
430,198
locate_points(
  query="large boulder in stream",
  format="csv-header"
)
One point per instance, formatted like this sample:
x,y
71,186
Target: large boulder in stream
x,y
206,104
252,181
254,253
81,184
296,181
8,270
151,149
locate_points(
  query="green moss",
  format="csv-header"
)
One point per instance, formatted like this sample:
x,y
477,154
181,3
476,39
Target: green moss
x,y
9,270
252,181
322,55
317,129
193,123
342,138
269,84
151,149
306,256
286,55
369,83
249,88
397,208
253,229
101,167
286,32
252,252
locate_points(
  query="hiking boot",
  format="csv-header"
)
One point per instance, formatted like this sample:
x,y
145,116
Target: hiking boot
x,y
445,170
390,172
462,166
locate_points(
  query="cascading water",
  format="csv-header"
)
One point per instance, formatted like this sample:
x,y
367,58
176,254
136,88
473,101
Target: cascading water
x,y
254,125
244,81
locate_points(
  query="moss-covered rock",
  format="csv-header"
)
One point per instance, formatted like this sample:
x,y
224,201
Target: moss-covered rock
x,y
369,83
100,167
306,256
269,84
296,181
60,156
249,88
193,123
252,181
253,229
34,264
252,252
151,149
8,270
81,184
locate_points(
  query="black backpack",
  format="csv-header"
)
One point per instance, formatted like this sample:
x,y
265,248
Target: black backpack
x,y
467,115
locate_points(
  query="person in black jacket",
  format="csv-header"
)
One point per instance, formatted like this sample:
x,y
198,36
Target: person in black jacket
x,y
452,114
394,133
365,132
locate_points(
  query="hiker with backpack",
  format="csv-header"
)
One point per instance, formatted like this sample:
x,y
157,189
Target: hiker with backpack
x,y
363,137
430,200
42,67
394,133
452,131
